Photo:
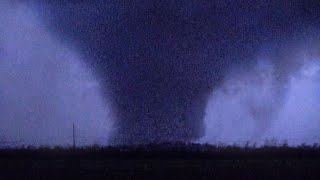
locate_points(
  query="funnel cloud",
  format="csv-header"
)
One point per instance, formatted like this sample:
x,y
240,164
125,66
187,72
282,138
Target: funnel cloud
x,y
179,70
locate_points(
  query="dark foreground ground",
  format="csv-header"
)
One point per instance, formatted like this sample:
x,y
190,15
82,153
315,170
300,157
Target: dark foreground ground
x,y
161,161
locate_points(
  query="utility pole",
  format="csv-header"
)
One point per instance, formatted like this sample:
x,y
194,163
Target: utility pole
x,y
73,136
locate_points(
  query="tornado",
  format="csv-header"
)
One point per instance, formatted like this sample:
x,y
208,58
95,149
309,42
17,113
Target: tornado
x,y
160,60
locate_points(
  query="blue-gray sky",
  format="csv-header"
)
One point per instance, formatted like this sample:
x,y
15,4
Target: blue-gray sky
x,y
45,86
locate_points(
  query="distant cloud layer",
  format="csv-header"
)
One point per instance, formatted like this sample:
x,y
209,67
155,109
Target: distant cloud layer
x,y
247,106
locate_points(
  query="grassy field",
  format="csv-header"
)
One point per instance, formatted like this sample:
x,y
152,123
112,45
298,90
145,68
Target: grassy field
x,y
161,161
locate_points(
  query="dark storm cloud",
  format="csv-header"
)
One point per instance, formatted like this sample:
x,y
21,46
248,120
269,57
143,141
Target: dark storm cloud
x,y
162,59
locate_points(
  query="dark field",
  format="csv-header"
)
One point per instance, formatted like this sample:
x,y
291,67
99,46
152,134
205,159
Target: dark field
x,y
161,161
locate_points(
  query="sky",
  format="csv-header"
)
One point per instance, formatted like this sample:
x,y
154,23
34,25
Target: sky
x,y
45,86
139,72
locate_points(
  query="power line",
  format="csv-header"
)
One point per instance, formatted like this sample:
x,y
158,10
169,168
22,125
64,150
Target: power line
x,y
73,136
